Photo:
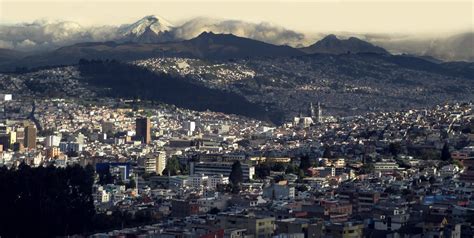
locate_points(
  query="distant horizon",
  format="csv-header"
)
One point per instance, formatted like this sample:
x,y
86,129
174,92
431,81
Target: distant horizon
x,y
309,17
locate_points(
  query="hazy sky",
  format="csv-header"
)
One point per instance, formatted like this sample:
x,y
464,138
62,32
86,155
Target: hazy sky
x,y
380,16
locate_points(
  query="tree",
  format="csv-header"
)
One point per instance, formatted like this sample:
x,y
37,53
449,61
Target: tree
x,y
367,168
262,170
291,169
394,148
172,167
305,163
279,167
48,201
236,177
106,177
445,154
327,152
214,211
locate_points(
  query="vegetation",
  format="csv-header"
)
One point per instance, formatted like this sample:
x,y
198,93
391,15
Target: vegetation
x,y
445,154
46,202
172,167
236,176
131,81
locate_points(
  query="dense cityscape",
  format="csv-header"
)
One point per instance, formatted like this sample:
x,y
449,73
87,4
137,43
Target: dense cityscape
x,y
237,119
201,174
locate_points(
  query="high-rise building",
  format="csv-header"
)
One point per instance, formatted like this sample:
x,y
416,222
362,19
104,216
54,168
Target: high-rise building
x,y
20,136
312,112
189,127
143,129
160,162
30,137
320,113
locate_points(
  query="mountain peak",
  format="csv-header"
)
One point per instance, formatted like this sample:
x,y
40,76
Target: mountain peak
x,y
154,23
333,45
330,37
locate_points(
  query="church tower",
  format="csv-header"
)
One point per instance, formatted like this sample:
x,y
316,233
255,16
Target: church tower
x,y
320,113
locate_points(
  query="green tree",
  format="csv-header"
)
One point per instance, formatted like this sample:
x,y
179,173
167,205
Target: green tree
x,y
262,170
236,177
279,167
172,167
327,152
395,149
445,154
106,178
305,163
291,169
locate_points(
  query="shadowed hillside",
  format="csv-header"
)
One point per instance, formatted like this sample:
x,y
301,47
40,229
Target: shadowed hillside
x,y
130,81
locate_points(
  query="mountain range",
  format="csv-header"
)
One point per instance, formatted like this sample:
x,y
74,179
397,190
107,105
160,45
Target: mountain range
x,y
47,36
205,46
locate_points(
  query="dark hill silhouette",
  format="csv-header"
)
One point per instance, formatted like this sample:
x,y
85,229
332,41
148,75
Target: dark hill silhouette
x,y
332,45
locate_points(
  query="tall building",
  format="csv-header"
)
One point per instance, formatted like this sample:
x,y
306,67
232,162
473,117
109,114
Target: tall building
x,y
189,127
143,129
20,136
160,162
154,163
320,113
312,112
30,137
315,113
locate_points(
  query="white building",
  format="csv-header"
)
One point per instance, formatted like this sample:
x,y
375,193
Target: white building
x,y
215,180
385,166
220,168
189,127
198,180
52,140
5,97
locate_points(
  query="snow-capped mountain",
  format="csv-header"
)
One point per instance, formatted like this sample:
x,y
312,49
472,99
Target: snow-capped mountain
x,y
149,29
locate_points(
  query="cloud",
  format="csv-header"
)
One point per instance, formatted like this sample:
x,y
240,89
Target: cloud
x,y
45,35
262,31
6,44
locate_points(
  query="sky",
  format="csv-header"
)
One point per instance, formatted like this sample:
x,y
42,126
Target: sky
x,y
382,16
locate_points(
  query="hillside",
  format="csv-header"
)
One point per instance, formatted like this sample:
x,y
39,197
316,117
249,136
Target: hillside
x,y
205,46
332,45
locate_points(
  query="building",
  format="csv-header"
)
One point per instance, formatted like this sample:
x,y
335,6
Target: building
x,y
52,152
198,180
279,190
52,140
5,97
217,168
345,230
20,136
154,163
67,147
143,129
261,227
178,181
7,140
189,127
216,180
30,137
385,166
